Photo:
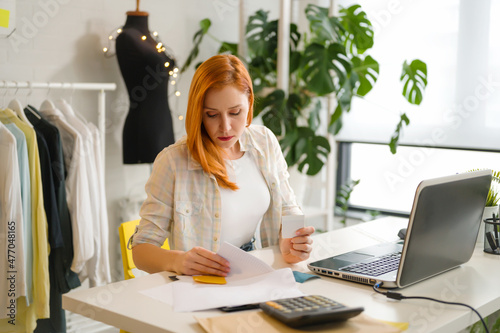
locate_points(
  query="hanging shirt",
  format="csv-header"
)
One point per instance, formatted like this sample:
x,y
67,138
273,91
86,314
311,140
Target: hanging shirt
x,y
25,187
243,209
104,267
62,257
40,308
98,270
13,278
77,190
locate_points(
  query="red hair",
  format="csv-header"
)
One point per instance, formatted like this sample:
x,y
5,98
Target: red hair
x,y
216,72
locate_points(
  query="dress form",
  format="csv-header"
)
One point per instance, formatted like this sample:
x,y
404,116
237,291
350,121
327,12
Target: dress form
x,y
145,69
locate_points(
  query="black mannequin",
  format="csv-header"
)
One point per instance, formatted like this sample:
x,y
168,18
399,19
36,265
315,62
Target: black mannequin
x,y
145,68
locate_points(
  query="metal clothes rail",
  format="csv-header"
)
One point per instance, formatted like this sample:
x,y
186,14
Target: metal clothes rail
x,y
101,99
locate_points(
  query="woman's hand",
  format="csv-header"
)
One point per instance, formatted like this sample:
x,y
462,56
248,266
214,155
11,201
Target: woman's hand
x,y
298,248
200,261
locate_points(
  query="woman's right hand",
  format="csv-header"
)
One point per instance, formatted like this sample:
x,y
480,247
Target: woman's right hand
x,y
200,261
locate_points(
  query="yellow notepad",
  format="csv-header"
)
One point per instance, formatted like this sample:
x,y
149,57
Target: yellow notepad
x,y
209,279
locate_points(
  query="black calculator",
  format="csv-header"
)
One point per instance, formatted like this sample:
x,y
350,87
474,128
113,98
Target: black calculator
x,y
308,310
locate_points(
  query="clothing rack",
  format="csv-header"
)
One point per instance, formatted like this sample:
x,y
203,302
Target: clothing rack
x,y
101,99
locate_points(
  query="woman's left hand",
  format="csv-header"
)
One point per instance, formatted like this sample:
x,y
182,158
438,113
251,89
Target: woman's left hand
x,y
298,248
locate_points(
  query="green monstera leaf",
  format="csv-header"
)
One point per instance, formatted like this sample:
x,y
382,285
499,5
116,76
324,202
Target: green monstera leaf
x,y
272,109
314,116
262,35
393,144
367,70
359,30
304,147
231,48
335,121
319,61
262,41
414,78
324,28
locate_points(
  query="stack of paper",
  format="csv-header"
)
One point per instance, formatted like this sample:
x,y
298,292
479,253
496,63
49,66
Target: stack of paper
x,y
250,281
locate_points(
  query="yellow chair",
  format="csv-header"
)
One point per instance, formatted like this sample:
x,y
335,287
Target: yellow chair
x,y
126,230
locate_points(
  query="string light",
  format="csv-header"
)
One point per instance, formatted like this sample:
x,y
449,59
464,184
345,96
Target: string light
x,y
173,73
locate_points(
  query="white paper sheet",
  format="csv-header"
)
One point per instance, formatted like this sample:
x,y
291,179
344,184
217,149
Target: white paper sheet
x,y
243,264
250,281
192,296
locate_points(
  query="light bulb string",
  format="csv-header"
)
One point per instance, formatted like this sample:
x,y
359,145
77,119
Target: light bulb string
x,y
174,74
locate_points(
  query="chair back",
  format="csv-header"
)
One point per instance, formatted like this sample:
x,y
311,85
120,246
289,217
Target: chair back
x,y
126,230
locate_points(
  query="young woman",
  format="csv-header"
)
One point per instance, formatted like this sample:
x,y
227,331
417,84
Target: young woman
x,y
221,182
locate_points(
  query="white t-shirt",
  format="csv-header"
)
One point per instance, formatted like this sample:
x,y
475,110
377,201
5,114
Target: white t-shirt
x,y
243,209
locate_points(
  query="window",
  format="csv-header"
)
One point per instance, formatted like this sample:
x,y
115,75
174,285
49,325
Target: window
x,y
388,182
457,126
459,42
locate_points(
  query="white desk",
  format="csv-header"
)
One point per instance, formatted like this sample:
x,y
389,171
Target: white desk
x,y
475,283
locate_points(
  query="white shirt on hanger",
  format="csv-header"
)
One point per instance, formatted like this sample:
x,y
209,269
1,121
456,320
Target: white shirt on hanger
x,y
77,187
98,270
105,267
12,281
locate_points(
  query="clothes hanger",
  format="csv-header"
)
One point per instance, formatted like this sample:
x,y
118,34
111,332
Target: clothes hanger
x,y
28,106
47,103
63,104
5,93
71,109
16,106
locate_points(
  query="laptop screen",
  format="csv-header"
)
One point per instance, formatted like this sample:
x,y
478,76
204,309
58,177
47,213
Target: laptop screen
x,y
444,224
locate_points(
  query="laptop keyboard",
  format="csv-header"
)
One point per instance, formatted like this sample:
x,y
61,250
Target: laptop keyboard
x,y
382,265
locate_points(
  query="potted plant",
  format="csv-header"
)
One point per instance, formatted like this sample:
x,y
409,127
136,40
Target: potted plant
x,y
491,205
331,58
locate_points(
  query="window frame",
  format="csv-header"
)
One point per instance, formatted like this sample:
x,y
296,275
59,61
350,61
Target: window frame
x,y
343,175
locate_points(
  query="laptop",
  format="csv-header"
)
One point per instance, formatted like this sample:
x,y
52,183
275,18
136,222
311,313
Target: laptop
x,y
441,234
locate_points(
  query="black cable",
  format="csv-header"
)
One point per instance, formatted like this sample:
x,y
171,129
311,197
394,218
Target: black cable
x,y
399,296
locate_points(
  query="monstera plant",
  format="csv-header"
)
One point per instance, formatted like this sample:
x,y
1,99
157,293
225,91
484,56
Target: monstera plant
x,y
330,58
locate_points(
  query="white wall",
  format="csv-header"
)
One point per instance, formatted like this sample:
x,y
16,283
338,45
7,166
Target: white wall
x,y
62,41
